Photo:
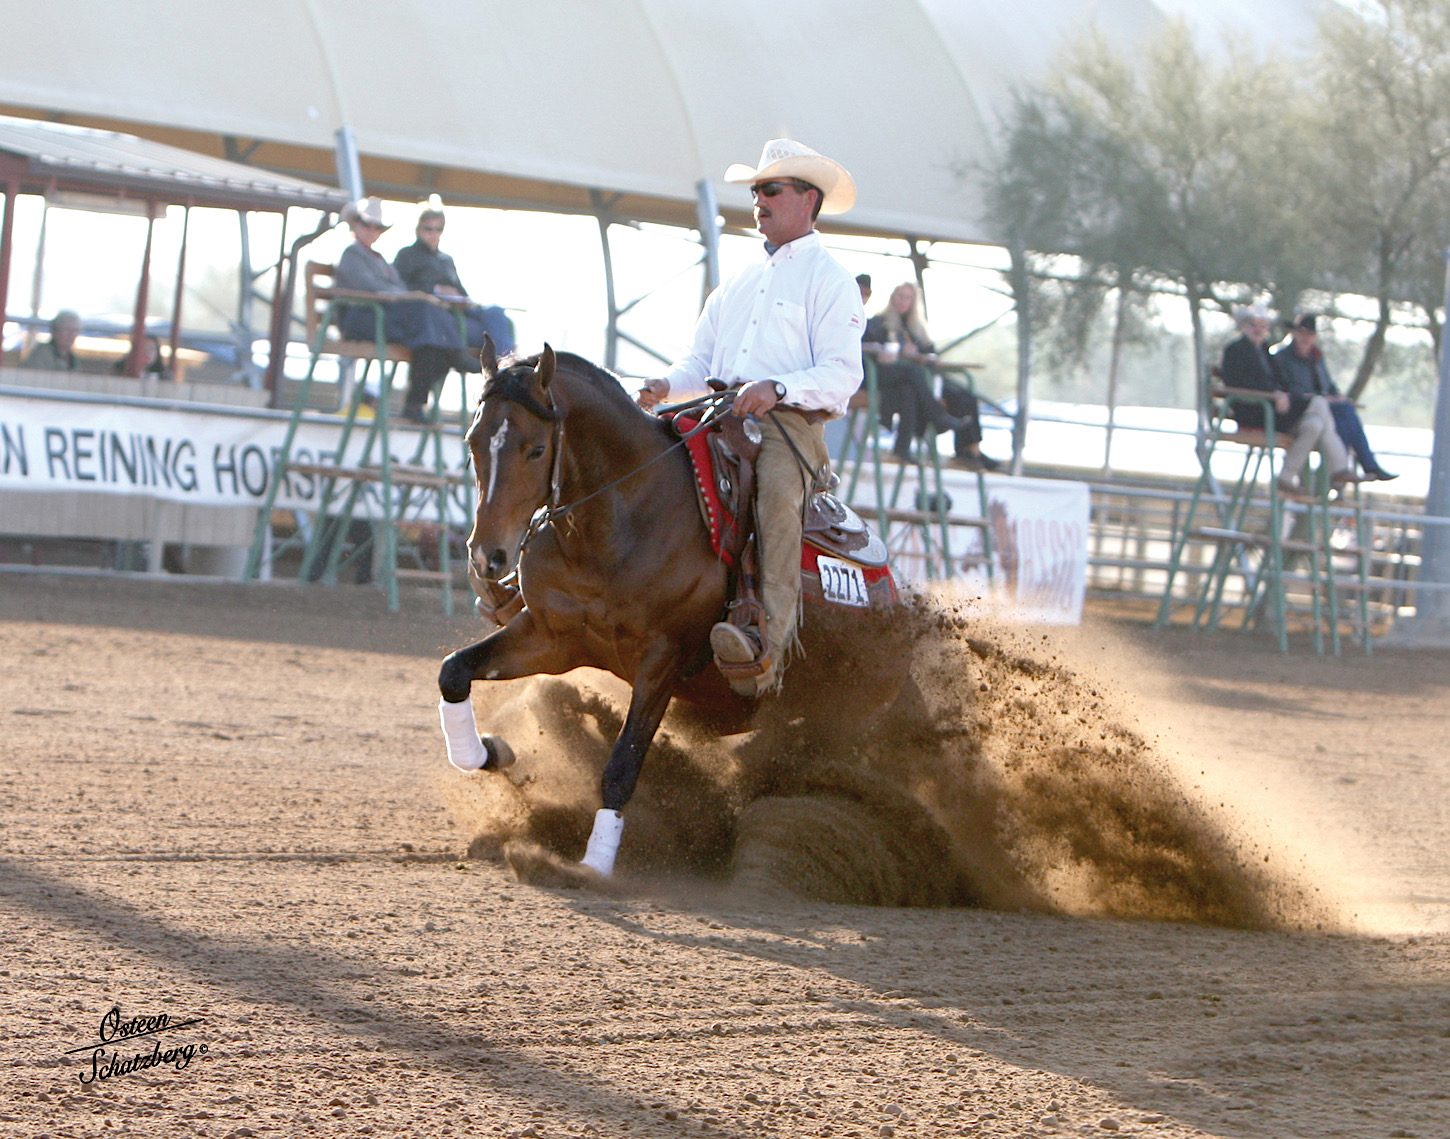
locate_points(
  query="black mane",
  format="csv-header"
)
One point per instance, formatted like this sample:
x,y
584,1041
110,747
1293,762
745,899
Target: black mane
x,y
512,382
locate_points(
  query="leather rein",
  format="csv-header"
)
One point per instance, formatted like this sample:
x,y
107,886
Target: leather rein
x,y
715,406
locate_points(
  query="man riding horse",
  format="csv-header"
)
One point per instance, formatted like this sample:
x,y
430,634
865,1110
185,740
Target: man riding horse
x,y
786,333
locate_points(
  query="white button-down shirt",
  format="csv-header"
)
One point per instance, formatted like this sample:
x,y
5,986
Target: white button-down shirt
x,y
796,319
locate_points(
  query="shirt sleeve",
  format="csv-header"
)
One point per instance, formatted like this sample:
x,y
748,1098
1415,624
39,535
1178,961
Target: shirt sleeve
x,y
452,275
407,266
358,269
837,321
687,377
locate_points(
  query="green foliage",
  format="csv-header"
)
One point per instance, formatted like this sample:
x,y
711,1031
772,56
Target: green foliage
x,y
1238,177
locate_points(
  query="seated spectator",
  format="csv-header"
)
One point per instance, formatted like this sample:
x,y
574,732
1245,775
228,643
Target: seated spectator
x,y
428,329
426,268
1302,365
58,353
1246,364
897,338
961,401
863,282
151,364
1304,414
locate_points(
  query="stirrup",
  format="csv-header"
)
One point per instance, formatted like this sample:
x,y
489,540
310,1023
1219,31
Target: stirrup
x,y
740,654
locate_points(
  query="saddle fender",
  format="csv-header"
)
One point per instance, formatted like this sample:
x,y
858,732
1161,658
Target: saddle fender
x,y
856,570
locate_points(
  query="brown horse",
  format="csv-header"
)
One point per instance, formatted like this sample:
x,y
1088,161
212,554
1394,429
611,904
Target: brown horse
x,y
619,575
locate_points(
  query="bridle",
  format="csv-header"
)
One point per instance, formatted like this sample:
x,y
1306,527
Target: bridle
x,y
714,405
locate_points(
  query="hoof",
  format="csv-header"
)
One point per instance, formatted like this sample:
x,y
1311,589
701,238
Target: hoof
x,y
500,755
535,866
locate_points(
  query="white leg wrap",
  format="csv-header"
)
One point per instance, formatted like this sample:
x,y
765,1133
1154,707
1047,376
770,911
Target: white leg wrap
x,y
465,750
604,842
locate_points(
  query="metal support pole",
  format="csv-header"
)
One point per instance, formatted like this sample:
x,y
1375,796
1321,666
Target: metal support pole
x,y
349,168
1114,364
180,285
604,217
707,210
1200,385
919,262
1022,294
246,293
143,298
1430,626
7,233
281,332
37,278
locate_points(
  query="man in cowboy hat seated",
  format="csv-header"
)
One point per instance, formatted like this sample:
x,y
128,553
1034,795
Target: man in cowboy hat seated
x,y
786,333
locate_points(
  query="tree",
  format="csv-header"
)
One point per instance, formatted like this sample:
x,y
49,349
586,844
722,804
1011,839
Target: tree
x,y
1159,170
1380,129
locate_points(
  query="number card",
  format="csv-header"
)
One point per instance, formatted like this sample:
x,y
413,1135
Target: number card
x,y
842,582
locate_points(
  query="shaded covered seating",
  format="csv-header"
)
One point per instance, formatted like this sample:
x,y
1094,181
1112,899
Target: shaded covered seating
x,y
74,165
371,506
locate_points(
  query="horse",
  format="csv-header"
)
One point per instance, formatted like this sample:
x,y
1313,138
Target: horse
x,y
591,501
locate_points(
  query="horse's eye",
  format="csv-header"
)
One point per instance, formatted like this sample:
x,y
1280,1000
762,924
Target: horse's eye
x,y
536,452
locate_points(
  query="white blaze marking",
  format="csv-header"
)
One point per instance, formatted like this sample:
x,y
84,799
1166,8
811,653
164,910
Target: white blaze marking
x,y
495,445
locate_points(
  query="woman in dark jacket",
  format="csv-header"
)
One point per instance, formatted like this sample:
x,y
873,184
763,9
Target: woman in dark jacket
x,y
426,268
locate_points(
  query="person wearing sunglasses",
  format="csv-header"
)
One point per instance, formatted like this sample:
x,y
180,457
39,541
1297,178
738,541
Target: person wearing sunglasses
x,y
426,268
786,334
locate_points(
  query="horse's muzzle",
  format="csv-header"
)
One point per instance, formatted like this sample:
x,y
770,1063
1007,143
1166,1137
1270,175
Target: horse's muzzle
x,y
490,564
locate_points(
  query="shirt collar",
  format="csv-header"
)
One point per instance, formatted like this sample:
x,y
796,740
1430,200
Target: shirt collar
x,y
791,248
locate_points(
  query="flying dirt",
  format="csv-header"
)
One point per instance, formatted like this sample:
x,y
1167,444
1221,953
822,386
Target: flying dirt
x,y
1002,778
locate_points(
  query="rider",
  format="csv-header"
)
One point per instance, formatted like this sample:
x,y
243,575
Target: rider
x,y
786,334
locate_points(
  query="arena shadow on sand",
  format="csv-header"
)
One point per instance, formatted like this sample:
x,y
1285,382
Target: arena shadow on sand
x,y
1236,1033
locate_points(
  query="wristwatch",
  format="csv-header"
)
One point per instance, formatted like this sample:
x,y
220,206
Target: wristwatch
x,y
779,389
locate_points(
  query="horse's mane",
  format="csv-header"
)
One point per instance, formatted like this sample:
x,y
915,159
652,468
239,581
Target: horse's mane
x,y
511,382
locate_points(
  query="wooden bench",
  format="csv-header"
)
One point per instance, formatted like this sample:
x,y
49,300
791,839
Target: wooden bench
x,y
1248,436
321,292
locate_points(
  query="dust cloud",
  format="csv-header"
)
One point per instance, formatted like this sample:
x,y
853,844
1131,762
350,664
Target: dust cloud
x,y
1002,777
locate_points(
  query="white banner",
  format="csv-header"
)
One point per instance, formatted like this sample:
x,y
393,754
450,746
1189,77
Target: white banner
x,y
1038,530
210,456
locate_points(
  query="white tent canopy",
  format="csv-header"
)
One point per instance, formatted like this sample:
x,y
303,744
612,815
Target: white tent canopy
x,y
536,103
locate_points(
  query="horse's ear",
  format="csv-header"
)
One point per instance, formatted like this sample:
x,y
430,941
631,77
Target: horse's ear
x,y
488,357
545,370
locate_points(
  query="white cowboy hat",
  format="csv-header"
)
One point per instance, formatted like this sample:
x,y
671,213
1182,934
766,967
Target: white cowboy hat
x,y
368,210
785,158
1245,313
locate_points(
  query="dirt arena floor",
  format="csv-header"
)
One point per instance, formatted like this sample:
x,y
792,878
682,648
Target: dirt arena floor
x,y
230,808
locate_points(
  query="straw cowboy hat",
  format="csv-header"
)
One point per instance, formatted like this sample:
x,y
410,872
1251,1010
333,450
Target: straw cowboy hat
x,y
369,210
785,158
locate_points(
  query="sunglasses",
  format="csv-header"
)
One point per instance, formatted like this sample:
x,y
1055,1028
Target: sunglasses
x,y
771,189
430,229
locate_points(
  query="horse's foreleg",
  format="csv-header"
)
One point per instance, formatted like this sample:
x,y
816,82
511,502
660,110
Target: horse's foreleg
x,y
653,688
518,649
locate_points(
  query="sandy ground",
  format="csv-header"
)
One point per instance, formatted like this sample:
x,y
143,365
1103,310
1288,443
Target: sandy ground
x,y
231,807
